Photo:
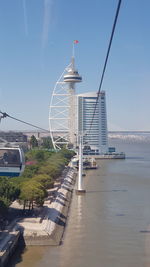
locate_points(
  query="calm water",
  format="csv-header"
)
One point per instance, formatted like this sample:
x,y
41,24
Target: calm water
x,y
108,227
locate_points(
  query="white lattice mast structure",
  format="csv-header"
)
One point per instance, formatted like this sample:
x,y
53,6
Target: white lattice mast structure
x,y
62,114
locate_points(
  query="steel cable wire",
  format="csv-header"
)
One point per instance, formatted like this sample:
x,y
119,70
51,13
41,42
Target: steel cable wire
x,y
4,115
106,60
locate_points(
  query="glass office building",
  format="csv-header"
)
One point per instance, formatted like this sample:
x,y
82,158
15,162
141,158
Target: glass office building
x,y
94,128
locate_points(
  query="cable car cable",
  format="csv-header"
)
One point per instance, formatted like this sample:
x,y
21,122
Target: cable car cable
x,y
106,60
4,115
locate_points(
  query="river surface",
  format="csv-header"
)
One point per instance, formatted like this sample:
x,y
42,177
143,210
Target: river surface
x,y
110,225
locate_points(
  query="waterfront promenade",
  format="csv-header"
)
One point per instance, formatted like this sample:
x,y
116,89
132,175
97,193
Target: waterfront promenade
x,y
48,227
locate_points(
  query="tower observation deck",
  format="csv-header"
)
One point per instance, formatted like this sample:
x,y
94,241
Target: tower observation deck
x,y
72,76
62,113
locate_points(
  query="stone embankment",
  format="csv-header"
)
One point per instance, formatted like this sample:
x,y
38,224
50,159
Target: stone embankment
x,y
8,243
51,229
47,230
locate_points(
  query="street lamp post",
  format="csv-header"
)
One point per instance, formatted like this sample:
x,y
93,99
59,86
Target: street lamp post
x,y
80,190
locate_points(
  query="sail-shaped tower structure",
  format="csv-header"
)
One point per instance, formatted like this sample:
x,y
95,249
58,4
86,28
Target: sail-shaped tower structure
x,y
62,112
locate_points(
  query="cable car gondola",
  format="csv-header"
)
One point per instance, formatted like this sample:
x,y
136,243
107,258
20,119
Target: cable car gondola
x,y
12,162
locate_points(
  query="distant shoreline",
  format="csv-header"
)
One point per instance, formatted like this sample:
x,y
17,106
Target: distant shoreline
x,y
46,133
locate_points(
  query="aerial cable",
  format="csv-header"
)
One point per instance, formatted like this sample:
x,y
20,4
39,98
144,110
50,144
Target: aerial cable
x,y
4,115
106,59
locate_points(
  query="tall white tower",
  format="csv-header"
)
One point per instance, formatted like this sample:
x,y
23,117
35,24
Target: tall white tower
x,y
62,115
71,78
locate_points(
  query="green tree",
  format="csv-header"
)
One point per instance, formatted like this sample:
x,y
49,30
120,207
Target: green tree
x,y
32,192
30,171
33,142
4,205
38,155
49,169
44,179
8,190
8,193
31,186
68,154
47,142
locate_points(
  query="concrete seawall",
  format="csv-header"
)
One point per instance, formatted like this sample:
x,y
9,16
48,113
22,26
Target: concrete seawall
x,y
51,230
7,246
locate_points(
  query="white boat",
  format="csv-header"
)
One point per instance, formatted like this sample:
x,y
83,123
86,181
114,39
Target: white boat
x,y
88,163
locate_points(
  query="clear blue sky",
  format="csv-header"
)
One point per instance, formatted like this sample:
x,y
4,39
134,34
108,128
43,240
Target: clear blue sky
x,y
36,45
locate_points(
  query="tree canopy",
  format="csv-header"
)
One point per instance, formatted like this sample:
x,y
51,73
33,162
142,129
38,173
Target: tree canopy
x,y
47,142
31,186
33,142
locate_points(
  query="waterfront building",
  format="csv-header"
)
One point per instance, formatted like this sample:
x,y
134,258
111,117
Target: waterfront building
x,y
95,135
13,136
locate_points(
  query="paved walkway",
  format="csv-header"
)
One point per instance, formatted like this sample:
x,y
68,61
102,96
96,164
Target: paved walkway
x,y
36,221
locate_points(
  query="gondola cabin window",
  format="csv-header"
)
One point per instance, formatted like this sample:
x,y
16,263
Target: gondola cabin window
x,y
9,158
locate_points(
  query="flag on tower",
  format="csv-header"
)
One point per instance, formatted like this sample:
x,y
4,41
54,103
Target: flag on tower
x,y
76,41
